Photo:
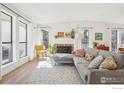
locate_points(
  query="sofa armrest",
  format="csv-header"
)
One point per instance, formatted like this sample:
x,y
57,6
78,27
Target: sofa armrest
x,y
102,76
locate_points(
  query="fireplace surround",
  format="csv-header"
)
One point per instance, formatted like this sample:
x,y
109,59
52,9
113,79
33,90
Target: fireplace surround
x,y
65,48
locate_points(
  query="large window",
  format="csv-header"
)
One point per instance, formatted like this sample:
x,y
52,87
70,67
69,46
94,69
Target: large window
x,y
22,39
6,25
114,41
117,39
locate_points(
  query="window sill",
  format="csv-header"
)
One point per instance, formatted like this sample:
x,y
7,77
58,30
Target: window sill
x,y
6,65
22,58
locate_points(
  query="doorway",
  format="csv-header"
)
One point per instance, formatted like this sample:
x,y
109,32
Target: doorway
x,y
85,38
45,39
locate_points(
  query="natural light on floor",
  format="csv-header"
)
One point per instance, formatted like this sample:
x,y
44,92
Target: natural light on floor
x,y
45,64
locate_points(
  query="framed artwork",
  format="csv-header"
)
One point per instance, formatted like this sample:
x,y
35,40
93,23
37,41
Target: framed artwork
x,y
60,34
98,36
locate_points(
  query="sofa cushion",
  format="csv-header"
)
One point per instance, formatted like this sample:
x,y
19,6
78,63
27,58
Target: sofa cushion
x,y
89,57
79,60
120,61
108,53
109,63
80,53
92,51
94,64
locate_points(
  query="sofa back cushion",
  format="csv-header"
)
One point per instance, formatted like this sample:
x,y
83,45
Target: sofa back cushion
x,y
92,51
108,53
120,61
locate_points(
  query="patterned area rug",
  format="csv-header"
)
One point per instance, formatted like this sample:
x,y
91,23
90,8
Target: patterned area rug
x,y
48,73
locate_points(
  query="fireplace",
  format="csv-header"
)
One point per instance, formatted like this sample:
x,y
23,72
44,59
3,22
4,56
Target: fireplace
x,y
64,48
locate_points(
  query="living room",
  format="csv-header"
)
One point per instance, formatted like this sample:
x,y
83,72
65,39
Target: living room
x,y
67,35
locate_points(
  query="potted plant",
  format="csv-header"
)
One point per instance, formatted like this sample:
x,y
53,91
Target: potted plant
x,y
52,49
95,44
56,36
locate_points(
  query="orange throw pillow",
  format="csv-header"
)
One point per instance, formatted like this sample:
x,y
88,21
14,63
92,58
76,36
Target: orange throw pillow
x,y
80,53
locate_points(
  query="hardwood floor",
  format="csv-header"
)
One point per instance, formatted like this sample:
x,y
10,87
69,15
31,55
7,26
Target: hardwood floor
x,y
19,75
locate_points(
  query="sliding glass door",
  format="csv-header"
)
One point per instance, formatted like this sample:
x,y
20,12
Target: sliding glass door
x,y
6,28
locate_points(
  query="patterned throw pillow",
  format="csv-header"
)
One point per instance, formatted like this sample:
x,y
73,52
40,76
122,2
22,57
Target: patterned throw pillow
x,y
80,53
94,64
89,57
109,63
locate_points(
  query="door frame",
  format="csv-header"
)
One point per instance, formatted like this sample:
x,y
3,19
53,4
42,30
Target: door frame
x,y
0,47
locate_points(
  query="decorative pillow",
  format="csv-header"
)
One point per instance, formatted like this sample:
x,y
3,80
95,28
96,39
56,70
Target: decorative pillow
x,y
89,57
80,53
96,62
109,63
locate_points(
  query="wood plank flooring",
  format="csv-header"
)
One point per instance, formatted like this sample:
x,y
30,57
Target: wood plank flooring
x,y
19,75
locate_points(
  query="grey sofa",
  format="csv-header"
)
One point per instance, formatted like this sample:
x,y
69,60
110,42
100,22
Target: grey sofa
x,y
100,76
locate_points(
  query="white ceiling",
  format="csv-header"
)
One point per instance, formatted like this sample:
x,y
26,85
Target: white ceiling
x,y
51,12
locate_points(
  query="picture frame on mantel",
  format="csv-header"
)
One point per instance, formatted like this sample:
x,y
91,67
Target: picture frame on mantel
x,y
98,36
60,34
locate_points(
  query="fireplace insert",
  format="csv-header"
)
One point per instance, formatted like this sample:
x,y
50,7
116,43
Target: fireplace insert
x,y
64,48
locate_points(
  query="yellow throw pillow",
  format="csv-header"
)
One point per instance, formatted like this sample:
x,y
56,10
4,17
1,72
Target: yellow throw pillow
x,y
109,63
89,57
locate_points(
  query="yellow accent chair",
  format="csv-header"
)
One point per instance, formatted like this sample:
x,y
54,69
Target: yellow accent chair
x,y
40,50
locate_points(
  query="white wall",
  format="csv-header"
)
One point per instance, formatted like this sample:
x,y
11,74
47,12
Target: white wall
x,y
100,27
37,36
30,42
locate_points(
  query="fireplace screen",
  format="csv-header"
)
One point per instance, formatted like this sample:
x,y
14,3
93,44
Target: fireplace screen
x,y
64,48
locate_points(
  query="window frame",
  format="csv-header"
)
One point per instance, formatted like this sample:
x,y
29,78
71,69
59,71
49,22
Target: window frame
x,y
26,40
11,39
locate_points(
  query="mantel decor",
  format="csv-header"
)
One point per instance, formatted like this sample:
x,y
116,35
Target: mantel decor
x,y
67,34
59,34
98,36
70,34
